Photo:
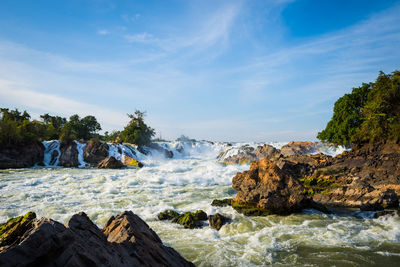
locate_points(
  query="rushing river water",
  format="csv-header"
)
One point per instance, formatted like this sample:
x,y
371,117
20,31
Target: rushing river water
x,y
191,182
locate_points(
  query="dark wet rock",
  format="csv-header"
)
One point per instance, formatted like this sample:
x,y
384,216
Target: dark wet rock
x,y
386,212
165,152
94,152
217,221
267,189
168,215
125,240
21,156
188,219
110,163
221,202
14,228
69,155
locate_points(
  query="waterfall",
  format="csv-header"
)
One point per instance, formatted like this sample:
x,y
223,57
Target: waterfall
x,y
80,147
50,148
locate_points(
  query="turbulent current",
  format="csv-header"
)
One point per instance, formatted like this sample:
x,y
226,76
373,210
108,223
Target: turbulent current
x,y
190,181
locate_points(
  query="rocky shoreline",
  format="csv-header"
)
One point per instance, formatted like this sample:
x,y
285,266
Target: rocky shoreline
x,y
125,240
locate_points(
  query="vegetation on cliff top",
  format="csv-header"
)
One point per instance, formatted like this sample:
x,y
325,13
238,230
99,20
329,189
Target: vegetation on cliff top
x,y
17,128
370,113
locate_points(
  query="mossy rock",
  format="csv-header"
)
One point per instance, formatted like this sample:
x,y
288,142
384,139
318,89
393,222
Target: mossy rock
x,y
221,202
191,220
15,228
317,184
249,209
217,221
168,215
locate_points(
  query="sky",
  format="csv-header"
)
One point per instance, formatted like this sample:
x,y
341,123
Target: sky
x,y
255,70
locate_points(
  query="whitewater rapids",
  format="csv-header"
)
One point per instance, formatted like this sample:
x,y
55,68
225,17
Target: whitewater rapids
x,y
190,181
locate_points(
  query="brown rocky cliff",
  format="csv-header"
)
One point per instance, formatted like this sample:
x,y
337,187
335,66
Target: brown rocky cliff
x,y
21,156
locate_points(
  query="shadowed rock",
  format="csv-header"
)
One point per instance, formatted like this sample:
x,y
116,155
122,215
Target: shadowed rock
x,y
69,155
126,240
95,151
21,156
110,163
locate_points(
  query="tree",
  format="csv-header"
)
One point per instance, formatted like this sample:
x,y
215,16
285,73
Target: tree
x,y
137,132
370,113
77,128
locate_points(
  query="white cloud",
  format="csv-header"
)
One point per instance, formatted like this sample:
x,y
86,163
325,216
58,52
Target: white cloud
x,y
103,32
140,38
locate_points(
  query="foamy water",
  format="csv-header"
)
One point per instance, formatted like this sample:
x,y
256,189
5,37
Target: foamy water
x,y
190,181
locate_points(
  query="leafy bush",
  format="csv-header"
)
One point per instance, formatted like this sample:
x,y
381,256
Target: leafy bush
x,y
137,132
370,113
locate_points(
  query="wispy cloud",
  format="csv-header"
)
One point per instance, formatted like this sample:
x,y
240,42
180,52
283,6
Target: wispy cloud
x,y
103,32
130,18
140,38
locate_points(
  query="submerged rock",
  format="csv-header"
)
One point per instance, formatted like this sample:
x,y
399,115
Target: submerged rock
x,y
188,219
217,221
110,163
95,152
125,240
21,156
266,189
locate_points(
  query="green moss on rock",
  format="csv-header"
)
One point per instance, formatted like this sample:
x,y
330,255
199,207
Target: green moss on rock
x,y
168,215
221,202
249,209
15,227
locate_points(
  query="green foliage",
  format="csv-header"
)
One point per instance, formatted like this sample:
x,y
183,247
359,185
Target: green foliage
x,y
370,113
77,128
115,136
137,132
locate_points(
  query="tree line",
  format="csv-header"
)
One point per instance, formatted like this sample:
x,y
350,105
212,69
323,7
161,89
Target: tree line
x,y
17,128
370,113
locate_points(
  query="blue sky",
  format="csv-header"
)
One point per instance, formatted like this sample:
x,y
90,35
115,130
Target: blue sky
x,y
251,70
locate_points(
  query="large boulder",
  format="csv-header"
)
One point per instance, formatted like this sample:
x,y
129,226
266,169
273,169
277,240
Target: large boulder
x,y
21,156
126,240
94,152
131,162
299,148
266,189
244,157
69,155
110,163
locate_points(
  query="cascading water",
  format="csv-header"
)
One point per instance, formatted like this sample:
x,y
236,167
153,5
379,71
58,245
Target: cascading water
x,y
52,153
80,147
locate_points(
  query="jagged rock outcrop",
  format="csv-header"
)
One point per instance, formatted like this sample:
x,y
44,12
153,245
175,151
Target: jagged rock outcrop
x,y
125,240
267,189
69,155
21,156
299,148
110,163
94,152
248,154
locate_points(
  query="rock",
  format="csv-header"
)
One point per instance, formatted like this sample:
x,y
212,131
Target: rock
x,y
244,157
21,156
217,221
69,155
165,152
110,163
299,148
189,219
266,152
94,152
221,202
168,215
386,212
131,162
15,228
266,189
125,240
